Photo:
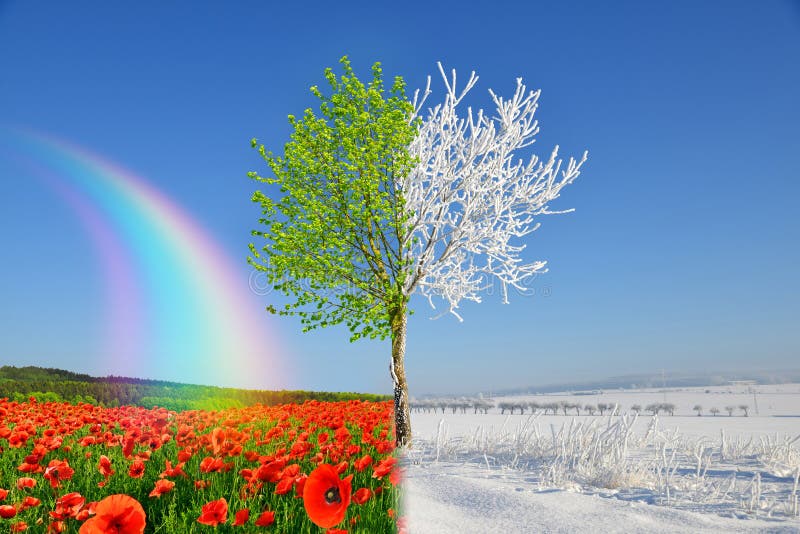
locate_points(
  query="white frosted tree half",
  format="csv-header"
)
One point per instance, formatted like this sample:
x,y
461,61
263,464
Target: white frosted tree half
x,y
470,196
469,200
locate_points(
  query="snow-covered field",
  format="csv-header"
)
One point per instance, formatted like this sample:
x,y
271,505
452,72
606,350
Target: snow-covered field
x,y
531,472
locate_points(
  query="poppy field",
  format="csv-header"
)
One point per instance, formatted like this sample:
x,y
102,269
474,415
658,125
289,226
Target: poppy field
x,y
295,468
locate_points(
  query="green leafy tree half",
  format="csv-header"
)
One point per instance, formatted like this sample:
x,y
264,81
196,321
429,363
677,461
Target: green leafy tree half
x,y
334,222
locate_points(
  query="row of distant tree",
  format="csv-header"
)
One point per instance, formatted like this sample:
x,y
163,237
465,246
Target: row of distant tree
x,y
57,385
563,407
744,408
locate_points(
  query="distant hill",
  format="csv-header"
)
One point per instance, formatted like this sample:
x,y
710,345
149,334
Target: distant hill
x,y
47,384
31,372
41,373
656,380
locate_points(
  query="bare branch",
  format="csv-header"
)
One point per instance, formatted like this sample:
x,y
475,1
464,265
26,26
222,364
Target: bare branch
x,y
468,195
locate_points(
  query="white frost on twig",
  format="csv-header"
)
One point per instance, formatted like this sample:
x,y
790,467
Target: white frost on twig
x,y
468,195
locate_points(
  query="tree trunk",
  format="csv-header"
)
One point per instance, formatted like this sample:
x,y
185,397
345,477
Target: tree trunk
x,y
402,415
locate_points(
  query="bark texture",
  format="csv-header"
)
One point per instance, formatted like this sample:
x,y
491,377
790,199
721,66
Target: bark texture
x,y
402,413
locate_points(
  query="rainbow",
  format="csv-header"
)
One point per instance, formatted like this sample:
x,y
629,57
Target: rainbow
x,y
177,306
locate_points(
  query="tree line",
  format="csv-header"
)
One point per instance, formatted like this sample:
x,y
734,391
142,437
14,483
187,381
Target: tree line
x,y
563,407
57,385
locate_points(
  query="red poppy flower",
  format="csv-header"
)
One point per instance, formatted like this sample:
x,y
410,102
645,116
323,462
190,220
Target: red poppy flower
x,y
214,513
91,508
121,514
162,486
68,505
326,497
19,526
395,476
362,463
341,467
104,466
271,471
172,472
384,447
211,464
335,531
25,467
25,483
3,494
284,486
265,519
241,517
290,471
342,434
383,468
137,469
7,511
184,455
58,470
299,485
362,495
127,447
29,502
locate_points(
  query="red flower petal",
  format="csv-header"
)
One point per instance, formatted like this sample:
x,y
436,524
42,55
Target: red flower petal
x,y
326,497
265,519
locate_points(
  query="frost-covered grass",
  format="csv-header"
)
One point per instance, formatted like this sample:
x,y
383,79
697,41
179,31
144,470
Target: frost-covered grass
x,y
736,467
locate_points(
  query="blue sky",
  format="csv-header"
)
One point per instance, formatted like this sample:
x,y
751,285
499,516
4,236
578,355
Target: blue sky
x,y
682,253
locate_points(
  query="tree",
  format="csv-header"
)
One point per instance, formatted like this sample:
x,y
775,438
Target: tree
x,y
714,411
744,408
371,203
698,409
636,408
730,409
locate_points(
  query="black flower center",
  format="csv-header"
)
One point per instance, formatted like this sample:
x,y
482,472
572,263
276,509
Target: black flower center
x,y
332,495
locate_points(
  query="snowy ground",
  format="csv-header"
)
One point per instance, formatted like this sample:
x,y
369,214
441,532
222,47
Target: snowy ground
x,y
534,473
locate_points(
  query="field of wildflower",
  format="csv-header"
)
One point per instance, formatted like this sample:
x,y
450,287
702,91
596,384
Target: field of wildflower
x,y
294,468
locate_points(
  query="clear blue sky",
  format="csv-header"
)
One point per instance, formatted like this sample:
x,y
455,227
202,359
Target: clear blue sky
x,y
683,250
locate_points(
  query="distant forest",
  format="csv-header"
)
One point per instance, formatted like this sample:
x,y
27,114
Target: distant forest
x,y
21,383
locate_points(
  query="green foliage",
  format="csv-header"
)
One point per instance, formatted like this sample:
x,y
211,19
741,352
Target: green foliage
x,y
116,391
40,396
84,399
179,405
334,222
40,373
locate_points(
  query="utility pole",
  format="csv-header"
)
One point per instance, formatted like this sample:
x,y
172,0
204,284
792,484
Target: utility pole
x,y
755,401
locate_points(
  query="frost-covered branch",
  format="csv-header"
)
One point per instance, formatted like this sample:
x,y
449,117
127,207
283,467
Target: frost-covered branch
x,y
469,196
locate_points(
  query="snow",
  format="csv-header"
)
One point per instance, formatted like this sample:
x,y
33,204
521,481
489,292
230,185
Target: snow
x,y
523,473
450,497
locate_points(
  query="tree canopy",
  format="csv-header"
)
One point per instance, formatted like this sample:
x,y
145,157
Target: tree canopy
x,y
334,221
